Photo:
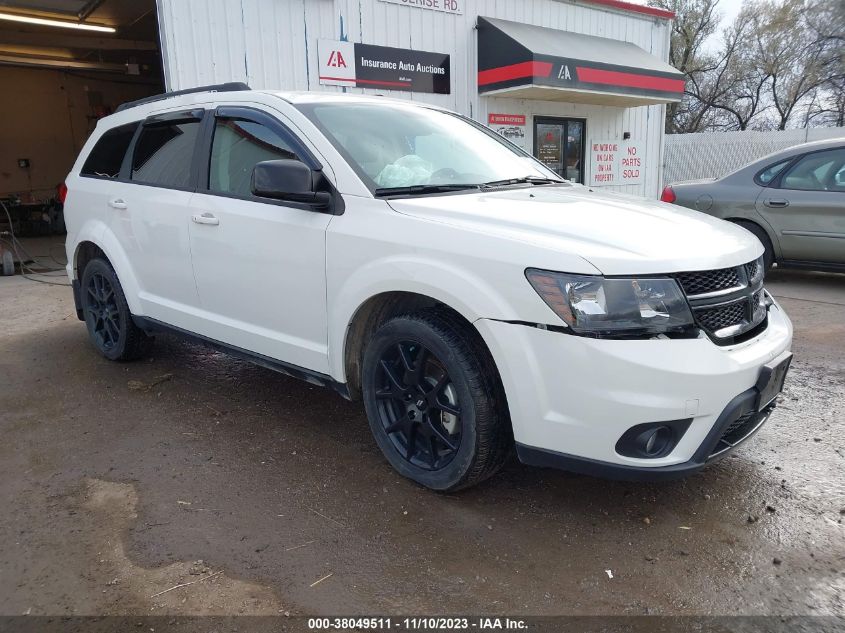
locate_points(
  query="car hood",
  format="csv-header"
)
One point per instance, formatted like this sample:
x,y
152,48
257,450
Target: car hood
x,y
617,234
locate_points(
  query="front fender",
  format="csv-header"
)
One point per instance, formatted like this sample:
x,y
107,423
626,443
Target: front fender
x,y
372,250
461,288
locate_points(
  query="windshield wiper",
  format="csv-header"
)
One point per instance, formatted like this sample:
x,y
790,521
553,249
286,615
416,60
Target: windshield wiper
x,y
423,189
531,180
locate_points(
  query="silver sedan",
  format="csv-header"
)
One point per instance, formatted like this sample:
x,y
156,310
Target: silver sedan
x,y
792,200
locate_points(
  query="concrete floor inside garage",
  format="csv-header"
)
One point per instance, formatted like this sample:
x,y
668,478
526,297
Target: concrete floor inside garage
x,y
119,481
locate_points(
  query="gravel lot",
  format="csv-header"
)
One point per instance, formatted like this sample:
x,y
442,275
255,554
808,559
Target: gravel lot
x,y
120,481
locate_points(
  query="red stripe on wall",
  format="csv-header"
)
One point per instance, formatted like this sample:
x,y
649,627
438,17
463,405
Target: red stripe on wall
x,y
629,80
514,71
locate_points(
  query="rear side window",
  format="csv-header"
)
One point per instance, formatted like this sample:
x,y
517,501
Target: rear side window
x,y
770,173
105,159
237,147
164,153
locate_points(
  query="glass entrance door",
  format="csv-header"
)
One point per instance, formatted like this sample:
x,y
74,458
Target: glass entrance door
x,y
559,144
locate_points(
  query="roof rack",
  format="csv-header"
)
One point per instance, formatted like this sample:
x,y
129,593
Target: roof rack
x,y
234,86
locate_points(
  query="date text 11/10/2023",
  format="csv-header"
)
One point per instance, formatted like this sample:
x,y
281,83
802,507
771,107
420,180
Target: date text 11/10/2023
x,y
423,623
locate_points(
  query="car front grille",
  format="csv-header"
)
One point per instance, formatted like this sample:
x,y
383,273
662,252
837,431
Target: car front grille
x,y
753,268
740,429
707,281
715,319
726,303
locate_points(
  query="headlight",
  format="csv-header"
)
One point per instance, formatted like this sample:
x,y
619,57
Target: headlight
x,y
599,305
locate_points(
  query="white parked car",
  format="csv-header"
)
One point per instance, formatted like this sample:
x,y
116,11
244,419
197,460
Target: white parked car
x,y
413,259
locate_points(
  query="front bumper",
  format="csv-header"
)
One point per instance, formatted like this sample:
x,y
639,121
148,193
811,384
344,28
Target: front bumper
x,y
740,409
571,398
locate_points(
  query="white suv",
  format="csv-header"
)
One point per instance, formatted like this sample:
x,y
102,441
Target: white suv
x,y
411,258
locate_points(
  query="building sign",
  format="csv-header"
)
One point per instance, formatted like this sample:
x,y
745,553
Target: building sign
x,y
549,149
368,66
511,126
632,163
604,163
616,163
444,6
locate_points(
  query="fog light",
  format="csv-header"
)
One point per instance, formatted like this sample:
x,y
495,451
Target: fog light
x,y
652,439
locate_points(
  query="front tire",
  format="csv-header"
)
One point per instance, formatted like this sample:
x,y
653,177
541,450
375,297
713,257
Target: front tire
x,y
434,401
107,314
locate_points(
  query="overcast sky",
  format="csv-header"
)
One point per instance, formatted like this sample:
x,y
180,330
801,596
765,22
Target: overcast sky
x,y
728,8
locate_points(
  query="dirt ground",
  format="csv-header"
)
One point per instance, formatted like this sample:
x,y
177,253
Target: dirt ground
x,y
119,482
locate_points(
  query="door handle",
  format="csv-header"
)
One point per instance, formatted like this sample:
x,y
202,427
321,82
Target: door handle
x,y
205,218
118,203
777,203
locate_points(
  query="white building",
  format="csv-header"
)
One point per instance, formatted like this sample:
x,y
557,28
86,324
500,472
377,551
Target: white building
x,y
579,83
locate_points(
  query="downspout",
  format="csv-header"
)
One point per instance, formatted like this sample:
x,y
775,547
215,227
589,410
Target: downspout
x,y
163,48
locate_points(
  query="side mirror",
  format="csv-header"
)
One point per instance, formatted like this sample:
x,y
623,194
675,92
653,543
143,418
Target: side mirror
x,y
289,180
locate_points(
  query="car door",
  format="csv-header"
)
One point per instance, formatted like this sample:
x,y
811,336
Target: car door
x,y
806,207
150,213
259,264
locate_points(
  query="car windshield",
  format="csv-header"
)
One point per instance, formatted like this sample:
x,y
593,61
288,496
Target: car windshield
x,y
408,149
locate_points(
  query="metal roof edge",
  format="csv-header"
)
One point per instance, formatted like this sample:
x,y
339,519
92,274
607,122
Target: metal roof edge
x,y
632,8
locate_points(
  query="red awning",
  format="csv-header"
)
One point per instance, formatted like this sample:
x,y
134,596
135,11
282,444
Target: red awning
x,y
527,61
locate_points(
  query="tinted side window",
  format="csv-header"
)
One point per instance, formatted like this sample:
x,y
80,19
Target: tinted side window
x,y
164,152
237,147
770,173
107,156
816,171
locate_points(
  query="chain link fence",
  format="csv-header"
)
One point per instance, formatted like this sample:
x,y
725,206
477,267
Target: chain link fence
x,y
712,155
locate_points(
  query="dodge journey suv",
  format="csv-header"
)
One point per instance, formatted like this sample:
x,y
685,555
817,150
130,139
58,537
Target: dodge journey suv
x,y
410,258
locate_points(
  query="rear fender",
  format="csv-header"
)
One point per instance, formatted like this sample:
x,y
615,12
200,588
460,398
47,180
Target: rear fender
x,y
99,234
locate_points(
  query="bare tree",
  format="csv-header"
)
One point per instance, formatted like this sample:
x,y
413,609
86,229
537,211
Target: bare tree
x,y
778,65
695,21
826,20
743,98
788,51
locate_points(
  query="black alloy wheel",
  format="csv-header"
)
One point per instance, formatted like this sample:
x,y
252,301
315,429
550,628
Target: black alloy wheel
x,y
107,316
101,306
417,405
434,400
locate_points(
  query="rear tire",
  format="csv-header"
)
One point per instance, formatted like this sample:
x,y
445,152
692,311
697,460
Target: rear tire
x,y
107,316
760,234
434,401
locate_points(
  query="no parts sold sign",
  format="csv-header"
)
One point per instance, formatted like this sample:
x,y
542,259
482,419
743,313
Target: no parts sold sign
x,y
616,163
